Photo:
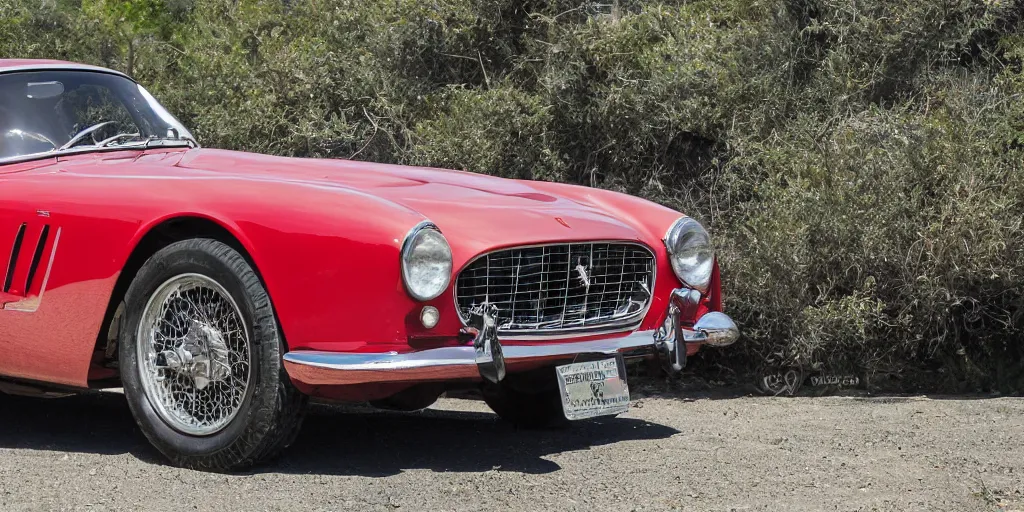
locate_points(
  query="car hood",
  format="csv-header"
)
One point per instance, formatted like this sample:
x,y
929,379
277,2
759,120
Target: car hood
x,y
484,211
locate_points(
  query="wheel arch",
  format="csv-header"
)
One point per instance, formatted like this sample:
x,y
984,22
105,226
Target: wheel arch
x,y
150,240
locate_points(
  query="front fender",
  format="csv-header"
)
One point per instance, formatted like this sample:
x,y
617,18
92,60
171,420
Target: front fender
x,y
330,260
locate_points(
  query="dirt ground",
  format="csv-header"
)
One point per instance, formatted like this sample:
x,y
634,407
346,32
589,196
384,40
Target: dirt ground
x,y
722,453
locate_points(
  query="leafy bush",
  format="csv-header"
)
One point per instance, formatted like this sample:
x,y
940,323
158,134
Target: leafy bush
x,y
858,163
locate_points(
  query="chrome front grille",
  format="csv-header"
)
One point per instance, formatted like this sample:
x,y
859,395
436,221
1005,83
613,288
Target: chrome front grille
x,y
561,287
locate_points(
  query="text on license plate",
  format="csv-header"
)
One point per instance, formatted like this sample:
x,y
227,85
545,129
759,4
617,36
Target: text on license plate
x,y
593,388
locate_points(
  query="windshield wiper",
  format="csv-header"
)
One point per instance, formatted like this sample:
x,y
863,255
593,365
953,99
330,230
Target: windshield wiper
x,y
148,142
83,134
107,142
156,142
174,135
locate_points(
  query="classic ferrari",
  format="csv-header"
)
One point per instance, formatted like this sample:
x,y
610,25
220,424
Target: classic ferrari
x,y
222,290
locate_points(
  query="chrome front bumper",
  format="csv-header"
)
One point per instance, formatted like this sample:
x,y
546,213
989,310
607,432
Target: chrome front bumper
x,y
488,358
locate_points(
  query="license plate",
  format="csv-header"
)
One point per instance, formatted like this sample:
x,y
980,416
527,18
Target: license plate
x,y
593,388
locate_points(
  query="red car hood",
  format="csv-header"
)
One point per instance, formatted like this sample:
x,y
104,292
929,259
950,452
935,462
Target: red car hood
x,y
479,210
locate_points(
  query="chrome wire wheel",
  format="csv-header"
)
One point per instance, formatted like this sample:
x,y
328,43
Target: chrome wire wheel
x,y
194,355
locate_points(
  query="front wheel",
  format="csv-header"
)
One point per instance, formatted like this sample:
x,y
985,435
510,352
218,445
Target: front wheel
x,y
201,362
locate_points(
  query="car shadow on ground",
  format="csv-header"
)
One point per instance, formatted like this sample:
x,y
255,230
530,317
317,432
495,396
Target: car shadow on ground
x,y
334,440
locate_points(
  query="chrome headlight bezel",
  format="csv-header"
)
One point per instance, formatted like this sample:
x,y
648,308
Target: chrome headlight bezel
x,y
426,236
690,253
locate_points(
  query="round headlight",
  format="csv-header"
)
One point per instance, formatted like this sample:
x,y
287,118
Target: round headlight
x,y
689,249
426,262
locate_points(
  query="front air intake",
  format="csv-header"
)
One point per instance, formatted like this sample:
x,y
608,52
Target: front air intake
x,y
559,289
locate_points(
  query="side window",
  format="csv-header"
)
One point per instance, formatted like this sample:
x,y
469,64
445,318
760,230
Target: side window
x,y
25,124
52,109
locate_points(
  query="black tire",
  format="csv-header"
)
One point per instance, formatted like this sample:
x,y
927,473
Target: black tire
x,y
527,400
271,411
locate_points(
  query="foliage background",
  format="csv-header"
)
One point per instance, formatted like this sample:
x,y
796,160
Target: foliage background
x,y
857,161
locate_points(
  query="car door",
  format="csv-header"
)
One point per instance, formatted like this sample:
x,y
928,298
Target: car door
x,y
27,240
29,244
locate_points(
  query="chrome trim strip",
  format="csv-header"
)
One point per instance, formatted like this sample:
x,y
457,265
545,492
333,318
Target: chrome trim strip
x,y
93,149
392,361
60,66
617,327
465,355
621,325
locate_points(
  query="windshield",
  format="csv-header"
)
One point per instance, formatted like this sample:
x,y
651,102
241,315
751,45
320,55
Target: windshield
x,y
49,111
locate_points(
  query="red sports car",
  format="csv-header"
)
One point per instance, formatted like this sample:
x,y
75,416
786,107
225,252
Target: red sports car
x,y
222,289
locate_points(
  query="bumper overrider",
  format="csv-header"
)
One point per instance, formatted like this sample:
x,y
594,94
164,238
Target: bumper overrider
x,y
487,359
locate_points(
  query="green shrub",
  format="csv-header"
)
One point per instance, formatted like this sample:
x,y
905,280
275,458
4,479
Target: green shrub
x,y
499,131
890,244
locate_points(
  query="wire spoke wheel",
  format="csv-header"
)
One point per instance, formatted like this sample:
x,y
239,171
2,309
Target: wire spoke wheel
x,y
195,355
200,355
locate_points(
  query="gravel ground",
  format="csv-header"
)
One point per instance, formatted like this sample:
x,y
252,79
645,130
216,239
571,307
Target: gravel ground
x,y
717,453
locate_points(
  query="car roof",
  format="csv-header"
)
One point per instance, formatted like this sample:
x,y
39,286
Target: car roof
x,y
11,65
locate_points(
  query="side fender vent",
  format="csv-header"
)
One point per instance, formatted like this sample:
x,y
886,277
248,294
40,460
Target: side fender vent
x,y
37,257
13,263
